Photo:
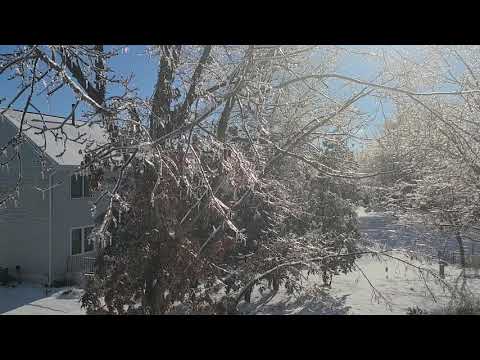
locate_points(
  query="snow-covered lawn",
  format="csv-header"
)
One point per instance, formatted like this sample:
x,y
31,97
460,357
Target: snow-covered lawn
x,y
400,284
29,299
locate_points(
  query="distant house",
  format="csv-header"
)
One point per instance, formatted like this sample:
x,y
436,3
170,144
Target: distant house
x,y
44,235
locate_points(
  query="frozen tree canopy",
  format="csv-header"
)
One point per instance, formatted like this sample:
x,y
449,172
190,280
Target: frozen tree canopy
x,y
244,169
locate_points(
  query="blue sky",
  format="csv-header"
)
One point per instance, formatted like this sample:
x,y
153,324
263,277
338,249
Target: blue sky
x,y
135,59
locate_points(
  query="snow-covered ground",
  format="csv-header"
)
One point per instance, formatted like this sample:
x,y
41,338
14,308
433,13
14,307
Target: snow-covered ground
x,y
401,285
29,299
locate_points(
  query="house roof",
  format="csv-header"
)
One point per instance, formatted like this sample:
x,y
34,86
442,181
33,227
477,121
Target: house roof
x,y
88,134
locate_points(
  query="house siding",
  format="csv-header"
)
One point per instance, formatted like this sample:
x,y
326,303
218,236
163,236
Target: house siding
x,y
24,229
68,213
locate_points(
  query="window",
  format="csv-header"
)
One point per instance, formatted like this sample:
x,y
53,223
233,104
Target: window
x,y
79,186
76,241
80,243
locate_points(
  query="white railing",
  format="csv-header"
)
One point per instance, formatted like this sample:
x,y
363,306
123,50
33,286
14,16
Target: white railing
x,y
80,264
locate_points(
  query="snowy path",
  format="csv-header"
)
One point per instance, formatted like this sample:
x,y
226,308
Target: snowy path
x,y
28,299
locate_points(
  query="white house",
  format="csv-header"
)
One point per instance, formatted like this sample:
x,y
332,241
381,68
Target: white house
x,y
43,235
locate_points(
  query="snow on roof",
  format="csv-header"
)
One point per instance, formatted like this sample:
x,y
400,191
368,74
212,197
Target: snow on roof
x,y
88,134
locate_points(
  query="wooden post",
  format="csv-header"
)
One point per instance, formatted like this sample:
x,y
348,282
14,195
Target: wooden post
x,y
476,263
19,274
442,269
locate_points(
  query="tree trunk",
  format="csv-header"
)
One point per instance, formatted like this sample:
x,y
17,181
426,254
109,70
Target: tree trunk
x,y
224,118
148,301
161,121
100,83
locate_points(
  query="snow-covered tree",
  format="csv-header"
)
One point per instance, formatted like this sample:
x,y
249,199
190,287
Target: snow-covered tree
x,y
225,180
